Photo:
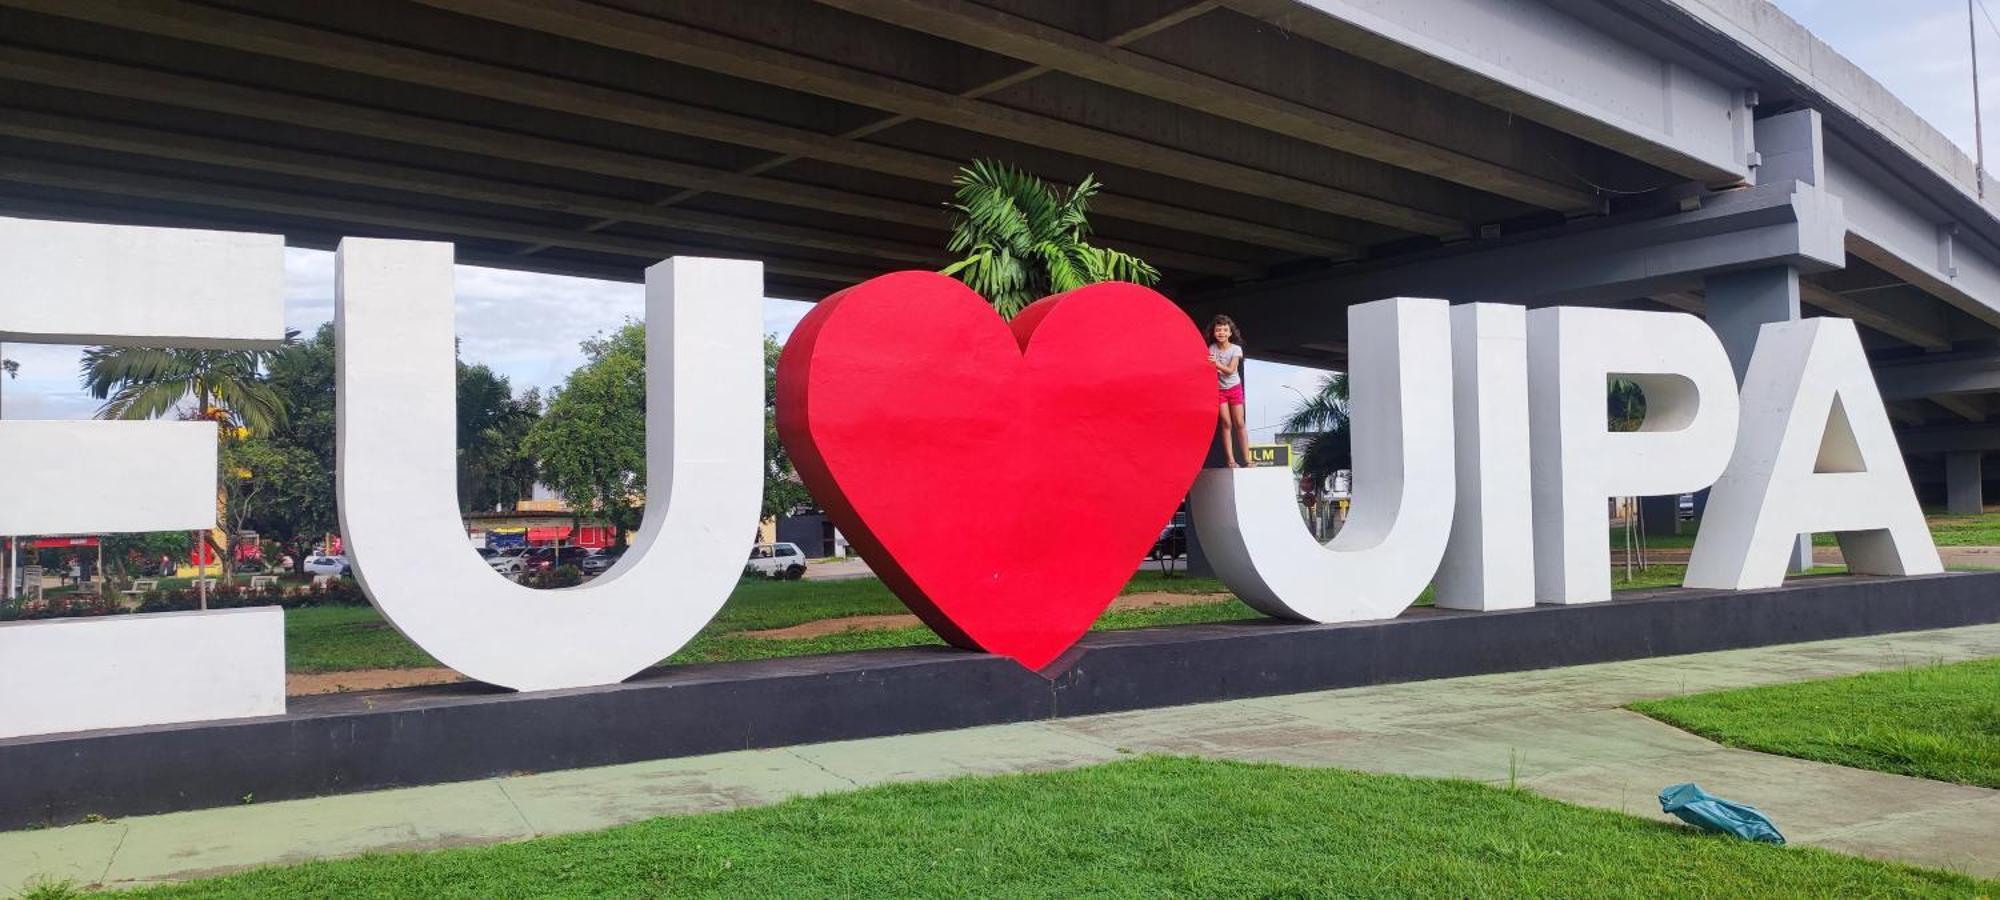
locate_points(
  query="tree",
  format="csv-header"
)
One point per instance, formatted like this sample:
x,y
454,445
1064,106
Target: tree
x,y
12,368
590,443
146,383
1020,239
783,491
493,468
1624,405
302,508
1324,414
263,482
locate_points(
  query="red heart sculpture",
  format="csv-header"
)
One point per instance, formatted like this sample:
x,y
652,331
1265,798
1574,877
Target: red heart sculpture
x,y
1004,484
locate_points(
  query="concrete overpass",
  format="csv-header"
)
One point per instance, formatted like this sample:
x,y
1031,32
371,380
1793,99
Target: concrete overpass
x,y
1276,158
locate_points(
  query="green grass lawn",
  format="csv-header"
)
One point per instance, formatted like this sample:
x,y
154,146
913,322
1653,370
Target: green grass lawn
x,y
1946,529
1966,531
1152,826
346,638
341,639
1938,721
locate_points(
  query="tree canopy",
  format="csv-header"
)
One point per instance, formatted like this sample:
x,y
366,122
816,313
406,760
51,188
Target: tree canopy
x,y
150,382
590,445
493,468
1324,415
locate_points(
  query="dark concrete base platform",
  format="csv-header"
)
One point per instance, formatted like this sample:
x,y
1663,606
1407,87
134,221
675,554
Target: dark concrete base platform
x,y
362,741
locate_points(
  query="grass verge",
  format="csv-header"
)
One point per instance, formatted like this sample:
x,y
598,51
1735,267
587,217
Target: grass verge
x,y
1153,826
345,639
350,638
1939,721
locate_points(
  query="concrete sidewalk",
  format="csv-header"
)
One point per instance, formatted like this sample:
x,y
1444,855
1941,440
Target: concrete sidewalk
x,y
1559,732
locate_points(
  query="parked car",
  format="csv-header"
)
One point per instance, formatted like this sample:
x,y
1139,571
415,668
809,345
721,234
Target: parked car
x,y
543,559
1172,543
1687,506
781,560
486,552
510,566
597,563
328,565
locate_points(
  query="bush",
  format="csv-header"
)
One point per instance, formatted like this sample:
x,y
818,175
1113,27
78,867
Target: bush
x,y
559,577
176,600
64,607
338,592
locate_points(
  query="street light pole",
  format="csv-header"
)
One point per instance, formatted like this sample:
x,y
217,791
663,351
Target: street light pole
x,y
1978,130
13,546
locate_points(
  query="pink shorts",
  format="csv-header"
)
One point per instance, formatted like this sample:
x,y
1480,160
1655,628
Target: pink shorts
x,y
1230,396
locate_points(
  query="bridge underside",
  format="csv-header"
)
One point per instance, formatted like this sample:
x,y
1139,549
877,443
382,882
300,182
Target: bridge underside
x,y
1275,158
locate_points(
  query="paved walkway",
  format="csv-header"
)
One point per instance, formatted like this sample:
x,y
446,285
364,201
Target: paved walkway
x,y
1960,558
1559,732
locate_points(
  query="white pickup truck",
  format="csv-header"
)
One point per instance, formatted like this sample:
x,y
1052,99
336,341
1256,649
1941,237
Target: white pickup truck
x,y
780,560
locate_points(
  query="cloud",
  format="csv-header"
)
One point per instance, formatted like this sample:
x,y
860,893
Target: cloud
x,y
525,325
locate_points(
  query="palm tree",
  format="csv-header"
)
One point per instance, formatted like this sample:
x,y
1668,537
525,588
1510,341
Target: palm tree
x,y
146,383
1020,239
1624,405
1324,415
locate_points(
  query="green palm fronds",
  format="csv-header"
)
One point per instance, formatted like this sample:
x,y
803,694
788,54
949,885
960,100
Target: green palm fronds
x,y
147,383
1020,240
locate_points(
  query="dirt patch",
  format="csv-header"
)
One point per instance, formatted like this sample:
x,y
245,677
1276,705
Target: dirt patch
x,y
1148,599
824,627
300,684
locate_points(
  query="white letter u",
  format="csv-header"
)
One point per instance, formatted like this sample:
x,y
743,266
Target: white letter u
x,y
394,318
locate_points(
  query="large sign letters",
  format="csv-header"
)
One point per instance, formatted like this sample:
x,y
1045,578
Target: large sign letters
x,y
398,481
962,455
66,283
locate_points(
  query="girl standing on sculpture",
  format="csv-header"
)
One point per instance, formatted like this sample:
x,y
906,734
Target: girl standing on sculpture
x,y
1227,356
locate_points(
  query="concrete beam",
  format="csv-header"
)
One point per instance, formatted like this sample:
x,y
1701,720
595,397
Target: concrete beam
x,y
129,184
1685,301
686,46
1772,224
1902,413
430,182
1910,323
1895,230
1964,483
1025,39
1542,63
198,93
1959,373
1970,407
1947,438
180,91
1209,223
315,234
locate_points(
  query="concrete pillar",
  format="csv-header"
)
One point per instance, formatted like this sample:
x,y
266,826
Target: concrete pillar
x,y
1738,304
1660,515
1196,563
1964,483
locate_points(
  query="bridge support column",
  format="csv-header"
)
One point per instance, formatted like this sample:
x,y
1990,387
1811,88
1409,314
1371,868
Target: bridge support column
x,y
1739,303
1964,483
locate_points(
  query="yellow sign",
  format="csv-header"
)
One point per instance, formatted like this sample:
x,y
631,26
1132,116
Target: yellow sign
x,y
1271,455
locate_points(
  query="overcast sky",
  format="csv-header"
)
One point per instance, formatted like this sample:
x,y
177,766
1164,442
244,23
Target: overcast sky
x,y
527,326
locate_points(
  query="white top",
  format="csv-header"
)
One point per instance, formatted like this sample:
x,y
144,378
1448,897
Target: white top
x,y
1220,356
